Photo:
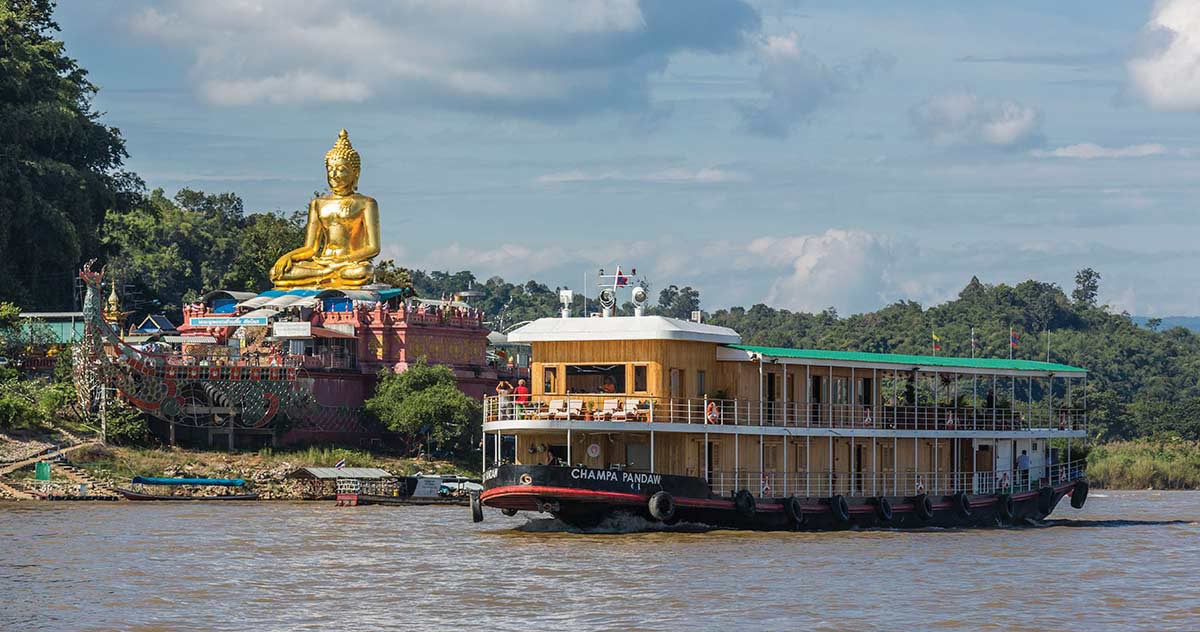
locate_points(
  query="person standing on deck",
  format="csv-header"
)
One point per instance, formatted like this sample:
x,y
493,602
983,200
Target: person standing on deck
x,y
522,394
1023,469
502,390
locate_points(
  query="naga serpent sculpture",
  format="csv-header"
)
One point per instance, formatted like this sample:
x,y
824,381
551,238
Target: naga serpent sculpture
x,y
175,390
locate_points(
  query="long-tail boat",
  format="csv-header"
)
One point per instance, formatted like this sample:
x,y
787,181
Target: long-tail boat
x,y
140,481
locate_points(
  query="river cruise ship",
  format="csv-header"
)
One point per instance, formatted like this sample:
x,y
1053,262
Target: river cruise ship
x,y
676,420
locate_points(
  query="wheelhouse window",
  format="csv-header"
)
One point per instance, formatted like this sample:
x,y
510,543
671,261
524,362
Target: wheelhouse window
x,y
639,378
596,378
701,384
549,379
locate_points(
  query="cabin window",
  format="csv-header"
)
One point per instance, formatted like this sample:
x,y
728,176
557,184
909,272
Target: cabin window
x,y
596,378
550,380
639,378
840,390
769,460
866,392
637,456
701,385
676,382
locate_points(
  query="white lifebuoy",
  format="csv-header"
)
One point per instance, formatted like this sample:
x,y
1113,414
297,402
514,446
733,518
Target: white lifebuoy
x,y
712,414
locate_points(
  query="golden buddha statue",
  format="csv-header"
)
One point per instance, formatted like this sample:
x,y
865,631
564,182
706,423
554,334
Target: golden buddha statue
x,y
342,236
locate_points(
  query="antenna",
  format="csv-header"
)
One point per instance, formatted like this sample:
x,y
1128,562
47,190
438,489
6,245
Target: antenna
x,y
566,297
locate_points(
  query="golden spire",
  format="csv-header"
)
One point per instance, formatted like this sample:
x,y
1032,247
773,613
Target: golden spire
x,y
343,150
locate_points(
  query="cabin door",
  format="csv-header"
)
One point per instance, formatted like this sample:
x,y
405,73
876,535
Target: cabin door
x,y
1004,464
814,396
771,388
705,458
858,467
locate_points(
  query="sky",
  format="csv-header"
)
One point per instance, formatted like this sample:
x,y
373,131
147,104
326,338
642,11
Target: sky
x,y
802,154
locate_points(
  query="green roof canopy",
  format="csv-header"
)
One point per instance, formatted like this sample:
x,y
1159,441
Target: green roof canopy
x,y
969,365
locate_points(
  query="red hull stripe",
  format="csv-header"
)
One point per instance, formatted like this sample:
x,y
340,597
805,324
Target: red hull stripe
x,y
561,492
587,495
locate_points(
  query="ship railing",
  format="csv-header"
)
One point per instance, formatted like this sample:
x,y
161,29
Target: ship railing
x,y
775,484
741,412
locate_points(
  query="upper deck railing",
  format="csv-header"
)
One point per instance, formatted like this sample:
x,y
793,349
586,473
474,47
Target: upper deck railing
x,y
740,412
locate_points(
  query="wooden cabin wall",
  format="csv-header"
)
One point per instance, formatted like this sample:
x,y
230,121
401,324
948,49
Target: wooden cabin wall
x,y
659,356
736,380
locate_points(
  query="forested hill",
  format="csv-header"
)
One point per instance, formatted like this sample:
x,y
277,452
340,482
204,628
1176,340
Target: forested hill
x,y
1141,382
1167,322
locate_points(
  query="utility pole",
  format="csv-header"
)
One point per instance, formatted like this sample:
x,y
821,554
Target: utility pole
x,y
103,415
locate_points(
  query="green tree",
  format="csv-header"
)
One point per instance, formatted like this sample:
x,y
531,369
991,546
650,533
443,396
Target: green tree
x,y
677,302
176,249
60,168
1087,285
423,403
126,425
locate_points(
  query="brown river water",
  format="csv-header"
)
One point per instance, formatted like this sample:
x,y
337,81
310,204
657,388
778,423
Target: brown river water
x,y
1128,560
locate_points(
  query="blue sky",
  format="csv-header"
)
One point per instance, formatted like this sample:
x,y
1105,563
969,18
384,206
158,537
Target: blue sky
x,y
803,154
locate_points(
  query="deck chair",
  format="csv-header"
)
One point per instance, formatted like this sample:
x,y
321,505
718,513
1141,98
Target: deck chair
x,y
556,407
573,410
611,407
629,411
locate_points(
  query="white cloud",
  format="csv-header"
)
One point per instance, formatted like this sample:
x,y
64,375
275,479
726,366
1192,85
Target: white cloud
x,y
1088,151
1166,73
847,269
530,57
710,175
798,83
965,119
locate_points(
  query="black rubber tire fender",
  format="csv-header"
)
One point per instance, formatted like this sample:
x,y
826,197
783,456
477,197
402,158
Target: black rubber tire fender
x,y
743,501
476,508
509,512
1045,500
839,508
1079,494
661,506
924,505
883,509
962,503
794,510
1007,508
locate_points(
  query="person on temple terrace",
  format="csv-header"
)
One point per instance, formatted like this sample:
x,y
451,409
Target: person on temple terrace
x,y
1023,468
522,394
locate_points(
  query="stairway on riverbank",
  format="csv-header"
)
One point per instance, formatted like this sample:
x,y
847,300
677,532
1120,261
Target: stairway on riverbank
x,y
96,487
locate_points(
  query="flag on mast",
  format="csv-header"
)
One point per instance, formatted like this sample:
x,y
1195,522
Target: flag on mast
x,y
973,344
937,343
1012,342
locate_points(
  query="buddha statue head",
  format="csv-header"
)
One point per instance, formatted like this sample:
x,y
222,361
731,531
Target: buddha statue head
x,y
342,166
